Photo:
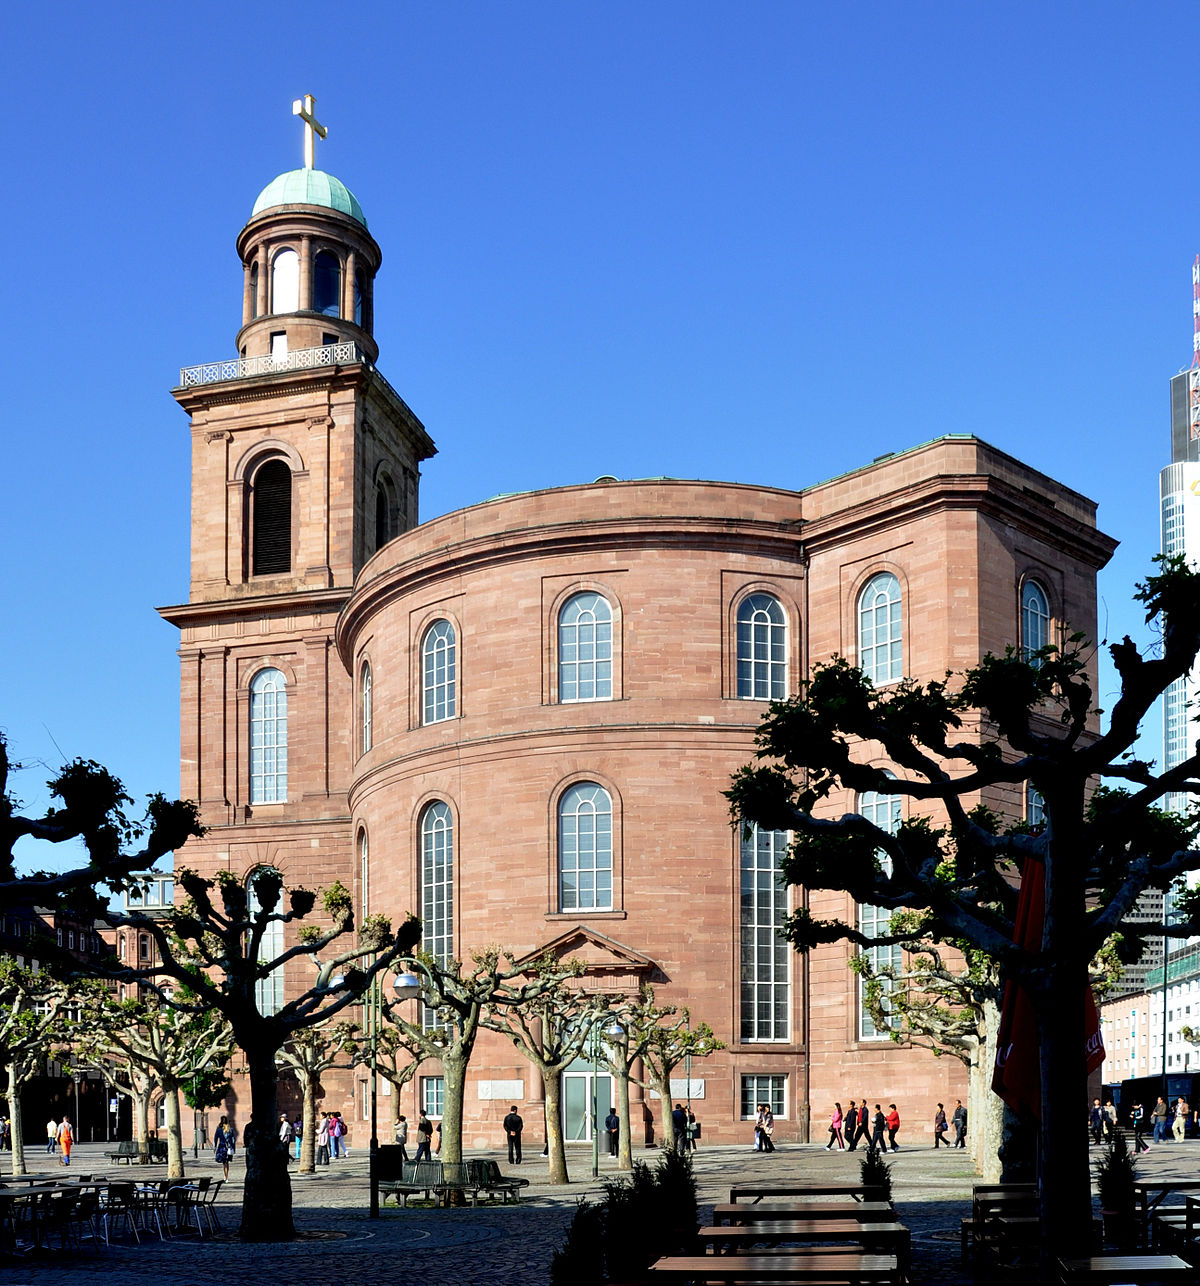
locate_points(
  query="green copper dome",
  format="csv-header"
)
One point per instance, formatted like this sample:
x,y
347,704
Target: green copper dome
x,y
309,187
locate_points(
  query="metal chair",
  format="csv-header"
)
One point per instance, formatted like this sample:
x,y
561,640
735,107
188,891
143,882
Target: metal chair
x,y
116,1207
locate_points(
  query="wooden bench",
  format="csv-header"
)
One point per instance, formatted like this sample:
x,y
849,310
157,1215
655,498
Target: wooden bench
x,y
1150,1196
812,1266
872,1238
806,1191
735,1212
1126,1268
128,1151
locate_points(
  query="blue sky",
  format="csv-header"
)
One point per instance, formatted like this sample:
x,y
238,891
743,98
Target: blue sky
x,y
757,242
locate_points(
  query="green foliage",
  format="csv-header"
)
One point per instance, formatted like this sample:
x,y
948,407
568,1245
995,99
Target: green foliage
x,y
640,1219
206,1089
1116,1173
874,1172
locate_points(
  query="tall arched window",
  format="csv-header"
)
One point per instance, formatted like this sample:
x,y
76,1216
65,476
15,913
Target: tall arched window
x,y
585,849
761,648
268,738
765,987
880,652
365,700
437,881
358,299
271,519
1035,618
884,811
364,874
585,649
327,284
285,282
268,991
438,673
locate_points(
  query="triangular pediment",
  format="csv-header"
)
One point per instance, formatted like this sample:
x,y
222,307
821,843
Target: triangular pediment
x,y
603,957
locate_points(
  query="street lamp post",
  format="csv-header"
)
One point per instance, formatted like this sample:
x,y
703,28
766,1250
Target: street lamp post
x,y
407,986
76,1078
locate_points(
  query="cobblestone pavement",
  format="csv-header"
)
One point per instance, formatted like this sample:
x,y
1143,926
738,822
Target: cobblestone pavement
x,y
498,1245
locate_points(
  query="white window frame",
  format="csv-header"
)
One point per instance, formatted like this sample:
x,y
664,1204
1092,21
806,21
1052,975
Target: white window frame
x,y
268,991
773,1092
886,812
1035,617
268,737
365,698
439,672
762,648
585,848
879,613
585,648
764,958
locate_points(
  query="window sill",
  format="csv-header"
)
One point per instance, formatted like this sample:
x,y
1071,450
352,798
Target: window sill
x,y
586,915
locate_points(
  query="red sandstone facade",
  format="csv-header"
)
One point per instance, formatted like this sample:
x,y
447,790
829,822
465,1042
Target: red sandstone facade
x,y
960,525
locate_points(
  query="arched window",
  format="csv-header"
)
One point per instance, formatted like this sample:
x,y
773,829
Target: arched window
x,y
254,289
268,991
880,655
761,648
285,282
271,519
268,738
585,649
363,874
327,284
438,673
365,698
884,811
358,299
765,989
585,849
1035,618
437,881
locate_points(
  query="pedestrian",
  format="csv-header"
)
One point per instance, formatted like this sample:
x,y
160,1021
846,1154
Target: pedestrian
x,y
513,1125
1137,1115
959,1121
1110,1118
224,1144
322,1140
401,1135
424,1137
693,1131
298,1133
878,1126
335,1135
51,1136
864,1123
766,1119
612,1123
679,1126
1096,1121
835,1130
66,1137
1161,1115
893,1124
343,1134
1182,1112
286,1134
850,1126
5,1135
939,1127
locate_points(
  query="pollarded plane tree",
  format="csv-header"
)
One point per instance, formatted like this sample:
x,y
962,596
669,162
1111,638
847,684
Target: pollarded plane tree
x,y
1012,721
396,1061
459,1002
308,1054
157,1043
214,944
669,1040
34,1020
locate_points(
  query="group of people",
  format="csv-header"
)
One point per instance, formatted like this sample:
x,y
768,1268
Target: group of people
x,y
684,1126
879,1128
1169,1121
59,1138
424,1138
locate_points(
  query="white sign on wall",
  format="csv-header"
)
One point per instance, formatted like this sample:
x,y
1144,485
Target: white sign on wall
x,y
679,1089
513,1091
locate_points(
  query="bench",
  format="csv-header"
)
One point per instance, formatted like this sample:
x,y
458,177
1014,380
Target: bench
x,y
485,1177
871,1238
415,1176
825,1265
128,1151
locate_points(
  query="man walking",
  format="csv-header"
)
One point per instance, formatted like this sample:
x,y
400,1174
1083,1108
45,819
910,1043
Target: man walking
x,y
51,1135
1182,1112
850,1127
959,1121
679,1125
879,1125
1096,1121
402,1137
424,1137
513,1125
1161,1113
286,1133
864,1123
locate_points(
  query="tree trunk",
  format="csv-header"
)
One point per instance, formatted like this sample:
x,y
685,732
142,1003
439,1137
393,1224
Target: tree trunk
x,y
14,1120
454,1069
267,1196
308,1126
986,1146
663,1087
552,1080
170,1089
624,1146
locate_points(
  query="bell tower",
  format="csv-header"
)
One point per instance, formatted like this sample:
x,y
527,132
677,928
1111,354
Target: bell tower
x,y
304,462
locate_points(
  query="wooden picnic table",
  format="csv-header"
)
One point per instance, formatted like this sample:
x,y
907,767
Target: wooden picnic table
x,y
737,1213
803,1266
757,1191
1151,1193
881,1238
1126,1268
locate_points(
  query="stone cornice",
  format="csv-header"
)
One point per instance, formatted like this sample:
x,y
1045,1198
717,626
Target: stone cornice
x,y
217,610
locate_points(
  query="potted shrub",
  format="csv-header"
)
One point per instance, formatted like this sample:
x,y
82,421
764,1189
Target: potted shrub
x,y
1116,1173
875,1172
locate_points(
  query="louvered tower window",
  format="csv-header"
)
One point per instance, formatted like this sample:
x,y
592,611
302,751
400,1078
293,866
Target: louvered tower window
x,y
271,498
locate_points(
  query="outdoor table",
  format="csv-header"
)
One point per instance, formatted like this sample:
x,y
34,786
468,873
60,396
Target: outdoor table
x,y
734,1213
759,1190
800,1267
1126,1268
886,1238
1151,1193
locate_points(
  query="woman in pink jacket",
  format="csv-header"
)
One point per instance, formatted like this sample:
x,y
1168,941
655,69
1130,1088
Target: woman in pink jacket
x,y
835,1129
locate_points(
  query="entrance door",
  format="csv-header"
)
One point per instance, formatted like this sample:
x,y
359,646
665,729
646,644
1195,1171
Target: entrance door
x,y
577,1100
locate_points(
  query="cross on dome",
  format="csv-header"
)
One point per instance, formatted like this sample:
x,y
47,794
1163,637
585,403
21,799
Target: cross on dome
x,y
313,128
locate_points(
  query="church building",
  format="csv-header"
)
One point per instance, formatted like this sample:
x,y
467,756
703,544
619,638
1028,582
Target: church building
x,y
516,720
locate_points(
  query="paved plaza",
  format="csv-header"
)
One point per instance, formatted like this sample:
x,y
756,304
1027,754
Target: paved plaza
x,y
496,1245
